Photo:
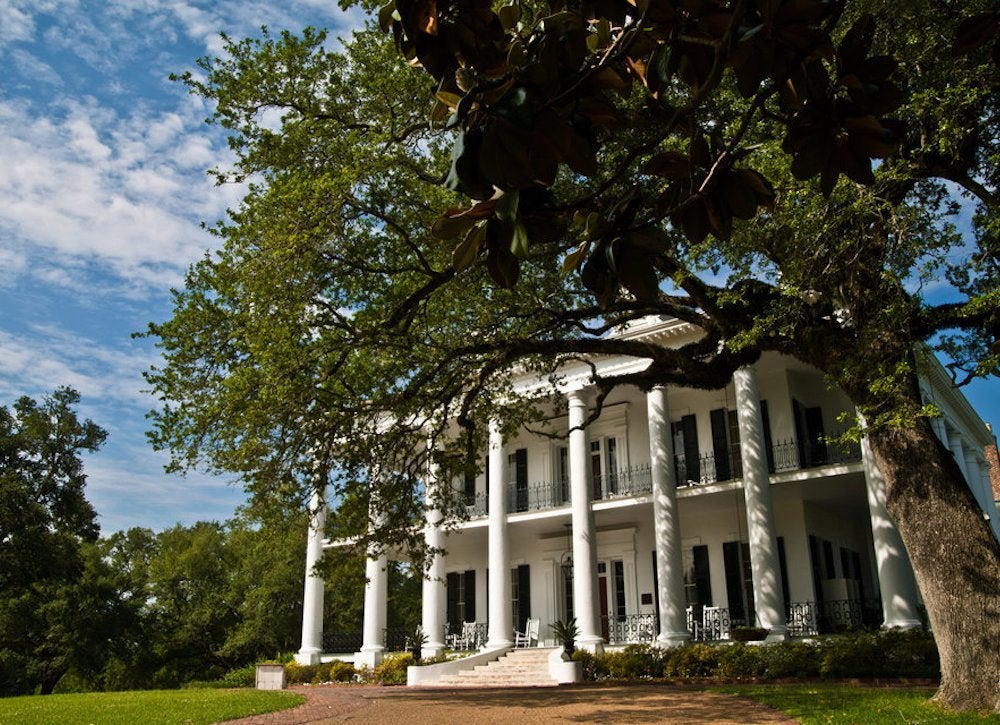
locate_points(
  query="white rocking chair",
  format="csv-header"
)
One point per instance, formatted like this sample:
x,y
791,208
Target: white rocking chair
x,y
529,637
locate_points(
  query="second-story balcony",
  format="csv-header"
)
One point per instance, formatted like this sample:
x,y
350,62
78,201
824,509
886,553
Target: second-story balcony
x,y
783,456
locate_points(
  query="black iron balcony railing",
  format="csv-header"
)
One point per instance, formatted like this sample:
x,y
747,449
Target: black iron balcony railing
x,y
785,455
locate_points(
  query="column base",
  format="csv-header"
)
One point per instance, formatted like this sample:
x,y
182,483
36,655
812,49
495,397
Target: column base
x,y
498,644
308,656
432,649
902,624
594,645
673,639
370,658
777,634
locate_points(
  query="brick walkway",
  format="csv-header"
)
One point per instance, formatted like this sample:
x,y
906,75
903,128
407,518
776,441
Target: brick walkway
x,y
567,704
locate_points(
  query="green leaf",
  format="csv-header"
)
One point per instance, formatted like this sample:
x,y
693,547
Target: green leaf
x,y
519,243
468,249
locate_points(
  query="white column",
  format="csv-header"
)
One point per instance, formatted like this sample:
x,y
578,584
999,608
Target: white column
x,y
312,596
434,596
585,601
499,606
666,523
376,595
957,450
768,600
895,575
940,429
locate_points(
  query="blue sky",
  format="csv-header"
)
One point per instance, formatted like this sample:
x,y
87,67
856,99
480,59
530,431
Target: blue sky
x,y
102,189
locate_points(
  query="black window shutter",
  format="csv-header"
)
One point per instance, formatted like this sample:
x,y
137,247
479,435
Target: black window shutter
x,y
702,576
521,478
453,617
768,441
734,580
814,429
720,444
782,564
523,596
470,595
691,454
800,433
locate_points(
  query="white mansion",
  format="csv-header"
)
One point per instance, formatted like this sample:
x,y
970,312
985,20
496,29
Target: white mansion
x,y
678,514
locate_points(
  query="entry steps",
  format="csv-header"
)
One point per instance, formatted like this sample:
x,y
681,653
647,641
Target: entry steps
x,y
518,668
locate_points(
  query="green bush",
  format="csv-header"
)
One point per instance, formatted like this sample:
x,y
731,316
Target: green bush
x,y
887,653
740,661
694,660
789,659
297,674
342,671
241,677
392,670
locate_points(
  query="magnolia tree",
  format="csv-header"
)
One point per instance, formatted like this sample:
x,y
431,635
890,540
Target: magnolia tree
x,y
507,183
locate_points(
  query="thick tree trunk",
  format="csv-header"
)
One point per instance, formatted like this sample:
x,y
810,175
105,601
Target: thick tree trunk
x,y
956,560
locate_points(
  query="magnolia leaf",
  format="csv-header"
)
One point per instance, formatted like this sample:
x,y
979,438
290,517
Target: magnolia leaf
x,y
574,258
468,249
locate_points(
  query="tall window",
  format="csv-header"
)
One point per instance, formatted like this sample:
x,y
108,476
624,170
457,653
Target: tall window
x,y
739,583
618,588
686,456
697,576
726,444
461,587
518,472
520,587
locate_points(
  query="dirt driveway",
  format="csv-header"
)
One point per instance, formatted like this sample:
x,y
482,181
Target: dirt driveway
x,y
567,704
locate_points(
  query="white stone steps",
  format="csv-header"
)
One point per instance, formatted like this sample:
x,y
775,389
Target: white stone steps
x,y
519,668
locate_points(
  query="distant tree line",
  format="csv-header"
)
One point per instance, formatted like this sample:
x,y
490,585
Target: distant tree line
x,y
139,609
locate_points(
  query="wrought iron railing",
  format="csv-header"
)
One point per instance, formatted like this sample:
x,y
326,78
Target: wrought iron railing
x,y
811,618
341,642
634,481
629,628
786,455
458,639
396,639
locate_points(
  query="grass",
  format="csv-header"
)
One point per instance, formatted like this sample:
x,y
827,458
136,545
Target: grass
x,y
840,704
188,707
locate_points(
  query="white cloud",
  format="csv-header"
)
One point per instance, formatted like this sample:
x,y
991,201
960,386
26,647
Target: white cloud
x,y
34,68
126,192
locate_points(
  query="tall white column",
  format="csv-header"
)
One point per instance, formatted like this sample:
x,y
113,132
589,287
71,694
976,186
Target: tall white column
x,y
895,575
376,595
764,565
957,450
585,602
499,606
434,597
312,596
666,523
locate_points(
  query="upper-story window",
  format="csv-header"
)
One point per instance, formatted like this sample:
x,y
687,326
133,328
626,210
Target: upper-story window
x,y
604,467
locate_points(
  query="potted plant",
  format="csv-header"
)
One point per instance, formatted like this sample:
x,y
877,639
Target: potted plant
x,y
415,643
565,633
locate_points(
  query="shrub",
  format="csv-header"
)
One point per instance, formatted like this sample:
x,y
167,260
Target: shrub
x,y
740,661
245,676
392,670
322,673
694,660
342,671
789,659
591,672
297,674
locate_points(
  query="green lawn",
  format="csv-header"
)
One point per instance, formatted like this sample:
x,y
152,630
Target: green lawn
x,y
838,704
192,707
